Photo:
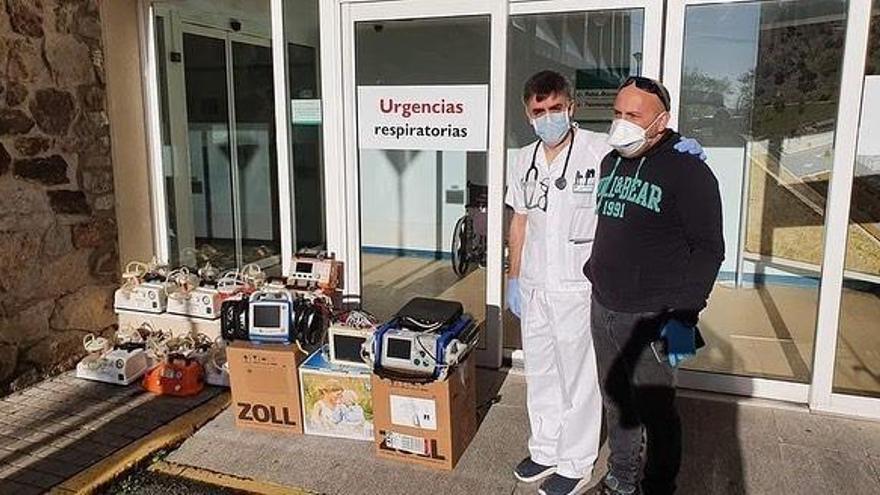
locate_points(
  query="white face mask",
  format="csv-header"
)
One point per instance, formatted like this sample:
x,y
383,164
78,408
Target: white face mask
x,y
628,138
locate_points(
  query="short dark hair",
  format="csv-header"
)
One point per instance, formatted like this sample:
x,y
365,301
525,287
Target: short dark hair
x,y
545,84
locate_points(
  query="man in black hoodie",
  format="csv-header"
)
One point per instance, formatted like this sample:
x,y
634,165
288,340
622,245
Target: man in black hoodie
x,y
657,250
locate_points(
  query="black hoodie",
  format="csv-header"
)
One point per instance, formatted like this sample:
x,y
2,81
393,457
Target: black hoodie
x,y
659,243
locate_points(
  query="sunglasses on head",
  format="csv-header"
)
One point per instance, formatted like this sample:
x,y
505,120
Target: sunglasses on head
x,y
651,86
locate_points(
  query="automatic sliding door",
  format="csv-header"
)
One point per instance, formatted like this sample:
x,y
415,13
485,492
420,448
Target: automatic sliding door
x,y
218,141
210,162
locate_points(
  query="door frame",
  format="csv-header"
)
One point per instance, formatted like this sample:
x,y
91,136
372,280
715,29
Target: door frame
x,y
345,239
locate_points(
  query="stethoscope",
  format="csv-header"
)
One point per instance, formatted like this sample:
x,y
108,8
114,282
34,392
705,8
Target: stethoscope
x,y
561,181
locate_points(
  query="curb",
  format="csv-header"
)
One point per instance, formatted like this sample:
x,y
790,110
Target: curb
x,y
108,469
223,480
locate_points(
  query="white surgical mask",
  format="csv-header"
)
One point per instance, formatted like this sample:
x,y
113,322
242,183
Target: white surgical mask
x,y
552,127
627,137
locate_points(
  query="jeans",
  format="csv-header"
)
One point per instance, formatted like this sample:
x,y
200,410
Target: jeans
x,y
638,392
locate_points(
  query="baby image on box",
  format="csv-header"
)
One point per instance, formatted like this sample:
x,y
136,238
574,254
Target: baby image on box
x,y
337,406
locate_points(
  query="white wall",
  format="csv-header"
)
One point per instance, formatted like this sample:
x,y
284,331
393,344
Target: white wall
x,y
728,165
256,208
403,197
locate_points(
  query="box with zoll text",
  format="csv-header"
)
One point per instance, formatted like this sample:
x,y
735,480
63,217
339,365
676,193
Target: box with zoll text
x,y
430,424
264,380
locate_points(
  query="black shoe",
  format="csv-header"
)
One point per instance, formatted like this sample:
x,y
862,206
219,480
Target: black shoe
x,y
603,489
560,485
529,471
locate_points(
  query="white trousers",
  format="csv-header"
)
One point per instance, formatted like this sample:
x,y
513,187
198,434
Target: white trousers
x,y
562,388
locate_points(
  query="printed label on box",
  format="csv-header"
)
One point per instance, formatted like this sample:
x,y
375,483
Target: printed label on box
x,y
413,412
407,443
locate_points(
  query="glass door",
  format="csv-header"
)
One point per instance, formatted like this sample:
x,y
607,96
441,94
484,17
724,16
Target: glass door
x,y
758,83
420,158
217,113
596,45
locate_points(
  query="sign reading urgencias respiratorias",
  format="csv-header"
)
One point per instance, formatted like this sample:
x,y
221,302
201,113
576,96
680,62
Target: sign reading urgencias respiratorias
x,y
448,118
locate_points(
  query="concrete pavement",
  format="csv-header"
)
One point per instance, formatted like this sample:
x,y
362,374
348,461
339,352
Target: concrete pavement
x,y
729,448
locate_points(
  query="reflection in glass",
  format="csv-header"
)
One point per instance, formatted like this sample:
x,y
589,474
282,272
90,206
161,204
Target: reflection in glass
x,y
760,88
301,27
260,234
858,351
597,51
207,117
411,200
217,130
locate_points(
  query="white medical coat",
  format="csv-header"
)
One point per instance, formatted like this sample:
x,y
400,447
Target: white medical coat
x,y
558,242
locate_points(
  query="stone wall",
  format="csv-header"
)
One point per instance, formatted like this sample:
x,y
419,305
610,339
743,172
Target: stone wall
x,y
58,247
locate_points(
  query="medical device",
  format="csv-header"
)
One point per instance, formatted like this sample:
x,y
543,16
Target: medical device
x,y
275,314
346,345
194,295
143,289
347,337
120,365
146,297
424,340
178,375
234,319
216,365
245,281
318,271
270,316
561,182
202,302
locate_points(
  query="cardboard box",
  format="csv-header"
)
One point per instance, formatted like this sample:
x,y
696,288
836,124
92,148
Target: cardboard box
x,y
337,400
264,379
430,424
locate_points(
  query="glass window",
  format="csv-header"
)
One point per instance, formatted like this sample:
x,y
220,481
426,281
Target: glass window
x,y
301,28
218,136
858,347
760,86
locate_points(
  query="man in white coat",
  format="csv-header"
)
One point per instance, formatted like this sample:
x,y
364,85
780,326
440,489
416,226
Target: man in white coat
x,y
551,187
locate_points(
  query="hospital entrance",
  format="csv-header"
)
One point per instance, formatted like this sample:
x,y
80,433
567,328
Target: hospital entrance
x,y
374,164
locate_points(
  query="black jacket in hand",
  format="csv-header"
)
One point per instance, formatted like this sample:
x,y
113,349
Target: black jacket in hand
x,y
659,242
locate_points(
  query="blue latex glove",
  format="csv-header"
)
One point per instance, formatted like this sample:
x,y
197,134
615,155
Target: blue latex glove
x,y
680,341
690,145
514,297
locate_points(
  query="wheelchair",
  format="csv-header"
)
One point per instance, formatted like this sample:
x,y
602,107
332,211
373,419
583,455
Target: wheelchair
x,y
469,236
